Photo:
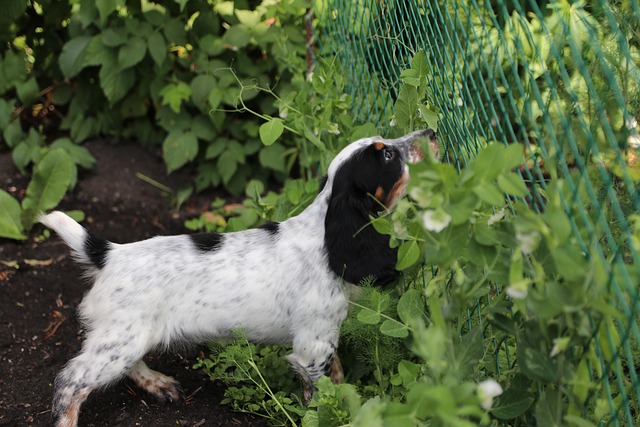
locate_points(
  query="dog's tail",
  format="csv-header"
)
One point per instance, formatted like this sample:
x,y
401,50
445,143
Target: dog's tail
x,y
86,248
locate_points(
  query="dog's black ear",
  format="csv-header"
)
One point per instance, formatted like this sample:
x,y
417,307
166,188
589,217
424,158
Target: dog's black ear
x,y
354,248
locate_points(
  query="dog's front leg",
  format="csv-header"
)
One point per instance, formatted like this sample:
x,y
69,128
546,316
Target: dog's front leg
x,y
312,359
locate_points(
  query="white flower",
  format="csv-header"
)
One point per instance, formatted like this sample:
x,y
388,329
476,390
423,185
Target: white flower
x,y
436,220
393,122
631,122
518,291
528,241
487,390
333,128
633,141
495,217
284,113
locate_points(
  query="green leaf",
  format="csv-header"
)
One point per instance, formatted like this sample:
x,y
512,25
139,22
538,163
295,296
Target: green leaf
x,y
535,364
429,116
406,106
512,183
105,7
224,7
10,224
114,36
178,148
174,93
47,187
393,328
368,316
71,59
410,306
13,133
132,52
227,165
513,156
201,88
157,47
97,52
420,63
408,255
27,150
28,90
203,128
115,82
382,225
250,18
408,371
215,97
271,131
78,154
512,404
572,420
237,36
548,410
273,157
489,193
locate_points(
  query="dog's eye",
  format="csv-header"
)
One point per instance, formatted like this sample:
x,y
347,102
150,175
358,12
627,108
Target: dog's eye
x,y
388,154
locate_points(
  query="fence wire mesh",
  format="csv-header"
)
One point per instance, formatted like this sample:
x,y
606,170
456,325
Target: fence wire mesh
x,y
560,77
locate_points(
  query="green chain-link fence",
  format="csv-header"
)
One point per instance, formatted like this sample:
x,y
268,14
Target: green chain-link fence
x,y
559,77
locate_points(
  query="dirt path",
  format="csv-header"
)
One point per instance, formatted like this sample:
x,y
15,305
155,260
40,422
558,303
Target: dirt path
x,y
39,331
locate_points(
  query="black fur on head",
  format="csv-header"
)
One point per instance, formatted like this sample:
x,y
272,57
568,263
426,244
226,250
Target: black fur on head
x,y
370,180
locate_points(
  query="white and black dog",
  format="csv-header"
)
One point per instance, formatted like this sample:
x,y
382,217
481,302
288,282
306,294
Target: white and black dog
x,y
280,283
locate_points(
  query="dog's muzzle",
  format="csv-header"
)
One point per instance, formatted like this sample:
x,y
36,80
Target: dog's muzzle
x,y
409,144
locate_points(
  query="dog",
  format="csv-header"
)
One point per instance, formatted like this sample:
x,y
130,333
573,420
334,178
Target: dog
x,y
282,283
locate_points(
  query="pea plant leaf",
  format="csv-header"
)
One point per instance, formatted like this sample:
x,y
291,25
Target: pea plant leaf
x,y
393,328
408,255
271,131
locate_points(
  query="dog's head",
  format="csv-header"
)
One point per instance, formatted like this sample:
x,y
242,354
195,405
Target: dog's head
x,y
366,177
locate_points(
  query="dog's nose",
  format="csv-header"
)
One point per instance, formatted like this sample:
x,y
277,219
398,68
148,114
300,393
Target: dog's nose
x,y
409,146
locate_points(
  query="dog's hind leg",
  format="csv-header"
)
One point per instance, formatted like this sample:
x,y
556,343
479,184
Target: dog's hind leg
x,y
164,388
104,358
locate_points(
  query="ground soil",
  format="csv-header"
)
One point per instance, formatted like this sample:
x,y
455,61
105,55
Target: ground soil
x,y
39,329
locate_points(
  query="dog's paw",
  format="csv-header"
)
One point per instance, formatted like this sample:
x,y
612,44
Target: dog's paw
x,y
165,389
162,387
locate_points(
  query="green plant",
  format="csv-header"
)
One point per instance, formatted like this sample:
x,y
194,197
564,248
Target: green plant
x,y
173,73
55,172
259,380
493,290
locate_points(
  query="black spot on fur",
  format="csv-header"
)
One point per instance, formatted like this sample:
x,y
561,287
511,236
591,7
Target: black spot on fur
x,y
271,227
97,249
357,251
207,242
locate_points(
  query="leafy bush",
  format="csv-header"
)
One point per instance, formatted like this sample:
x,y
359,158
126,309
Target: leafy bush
x,y
183,74
509,322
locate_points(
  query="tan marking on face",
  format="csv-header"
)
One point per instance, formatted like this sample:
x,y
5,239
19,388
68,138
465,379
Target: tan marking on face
x,y
397,191
378,145
379,194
